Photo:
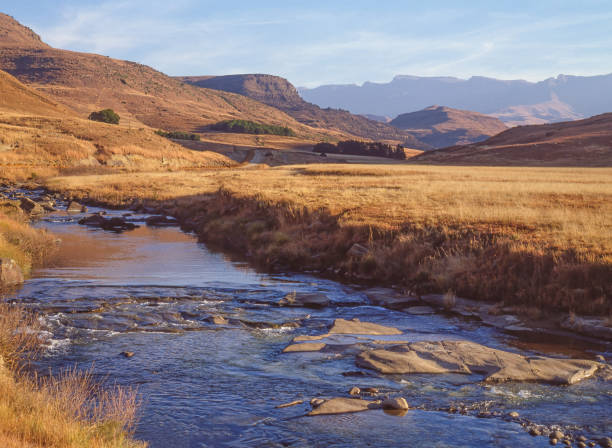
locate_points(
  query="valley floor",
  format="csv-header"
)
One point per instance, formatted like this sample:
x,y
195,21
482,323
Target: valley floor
x,y
534,238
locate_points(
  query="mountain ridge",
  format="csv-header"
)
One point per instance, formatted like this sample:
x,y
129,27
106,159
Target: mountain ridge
x,y
561,98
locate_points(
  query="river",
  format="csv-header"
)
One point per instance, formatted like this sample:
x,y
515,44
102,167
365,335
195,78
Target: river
x,y
152,291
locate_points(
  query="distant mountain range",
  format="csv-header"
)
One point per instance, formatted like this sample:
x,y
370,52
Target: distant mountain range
x,y
433,127
514,102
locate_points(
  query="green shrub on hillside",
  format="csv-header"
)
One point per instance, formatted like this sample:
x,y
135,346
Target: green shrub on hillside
x,y
250,127
105,116
178,135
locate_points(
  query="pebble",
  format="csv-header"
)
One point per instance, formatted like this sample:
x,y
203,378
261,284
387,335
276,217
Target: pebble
x,y
535,432
553,441
370,390
354,391
556,435
581,445
581,439
127,354
514,414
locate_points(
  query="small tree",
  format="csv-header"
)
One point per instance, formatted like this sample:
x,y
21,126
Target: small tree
x,y
105,116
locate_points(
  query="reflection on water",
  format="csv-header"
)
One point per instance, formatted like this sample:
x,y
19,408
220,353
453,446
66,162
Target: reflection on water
x,y
154,292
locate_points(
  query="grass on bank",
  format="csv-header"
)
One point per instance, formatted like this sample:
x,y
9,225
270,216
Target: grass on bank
x,y
69,410
526,236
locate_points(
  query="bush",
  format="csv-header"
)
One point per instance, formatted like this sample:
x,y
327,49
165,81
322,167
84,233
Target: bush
x,y
250,127
105,116
178,135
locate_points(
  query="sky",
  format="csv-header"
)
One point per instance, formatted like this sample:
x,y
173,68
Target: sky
x,y
335,41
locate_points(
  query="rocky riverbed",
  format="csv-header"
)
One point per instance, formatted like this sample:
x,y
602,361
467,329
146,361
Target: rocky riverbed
x,y
226,356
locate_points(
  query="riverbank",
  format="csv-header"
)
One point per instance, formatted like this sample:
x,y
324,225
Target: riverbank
x,y
69,410
536,239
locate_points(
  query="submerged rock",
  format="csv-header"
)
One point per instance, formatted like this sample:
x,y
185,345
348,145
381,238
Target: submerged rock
x,y
216,319
344,406
304,347
127,354
10,273
293,403
305,299
469,357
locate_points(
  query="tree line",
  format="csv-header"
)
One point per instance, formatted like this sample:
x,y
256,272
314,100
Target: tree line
x,y
359,148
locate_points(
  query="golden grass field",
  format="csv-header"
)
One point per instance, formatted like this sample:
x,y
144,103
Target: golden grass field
x,y
528,236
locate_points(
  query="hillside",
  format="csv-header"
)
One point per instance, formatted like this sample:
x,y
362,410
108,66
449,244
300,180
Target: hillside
x,y
39,137
87,82
515,102
281,94
18,98
575,143
441,126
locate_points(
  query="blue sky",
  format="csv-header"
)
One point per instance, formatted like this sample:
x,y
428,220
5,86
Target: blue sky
x,y
335,41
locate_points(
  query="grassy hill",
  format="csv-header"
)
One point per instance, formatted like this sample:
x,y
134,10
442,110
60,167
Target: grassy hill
x,y
87,82
574,143
40,137
441,126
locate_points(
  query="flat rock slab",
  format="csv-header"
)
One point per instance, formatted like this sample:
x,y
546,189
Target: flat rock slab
x,y
355,326
304,347
351,327
469,357
343,406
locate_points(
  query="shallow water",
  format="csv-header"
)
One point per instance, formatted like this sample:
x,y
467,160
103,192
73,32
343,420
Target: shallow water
x,y
151,290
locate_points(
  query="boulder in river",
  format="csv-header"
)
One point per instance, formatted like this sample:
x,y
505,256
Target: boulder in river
x,y
31,208
305,299
10,272
395,404
161,221
469,357
343,406
115,224
75,207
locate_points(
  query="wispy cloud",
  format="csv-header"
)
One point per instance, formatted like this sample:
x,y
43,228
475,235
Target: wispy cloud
x,y
324,42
